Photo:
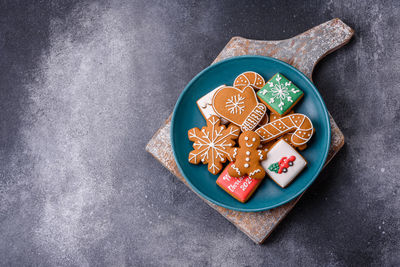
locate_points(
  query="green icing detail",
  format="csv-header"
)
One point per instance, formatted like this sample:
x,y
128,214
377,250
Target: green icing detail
x,y
280,93
274,167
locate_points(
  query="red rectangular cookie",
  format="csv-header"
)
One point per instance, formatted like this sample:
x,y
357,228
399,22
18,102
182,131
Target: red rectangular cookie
x,y
240,188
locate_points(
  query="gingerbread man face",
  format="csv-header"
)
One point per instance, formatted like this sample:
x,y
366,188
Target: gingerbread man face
x,y
249,139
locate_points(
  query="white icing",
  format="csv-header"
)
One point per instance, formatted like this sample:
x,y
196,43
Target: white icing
x,y
246,165
235,104
279,150
248,153
254,172
234,152
236,169
247,159
260,155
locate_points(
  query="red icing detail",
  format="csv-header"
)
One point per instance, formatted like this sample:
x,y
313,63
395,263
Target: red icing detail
x,y
284,163
240,188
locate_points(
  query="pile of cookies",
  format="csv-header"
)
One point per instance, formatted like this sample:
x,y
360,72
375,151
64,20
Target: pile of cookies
x,y
259,116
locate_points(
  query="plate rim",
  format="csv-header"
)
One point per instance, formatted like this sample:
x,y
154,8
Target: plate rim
x,y
325,115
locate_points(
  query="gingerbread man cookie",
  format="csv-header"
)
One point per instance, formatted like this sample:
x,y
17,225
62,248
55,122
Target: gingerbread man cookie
x,y
212,144
247,157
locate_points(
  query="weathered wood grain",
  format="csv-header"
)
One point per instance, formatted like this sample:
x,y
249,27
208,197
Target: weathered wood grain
x,y
303,52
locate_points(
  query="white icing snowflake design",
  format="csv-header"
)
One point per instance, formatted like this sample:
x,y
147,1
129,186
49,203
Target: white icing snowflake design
x,y
235,104
280,92
212,143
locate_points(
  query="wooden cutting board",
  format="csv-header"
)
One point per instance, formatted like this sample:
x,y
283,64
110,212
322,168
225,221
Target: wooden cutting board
x,y
303,51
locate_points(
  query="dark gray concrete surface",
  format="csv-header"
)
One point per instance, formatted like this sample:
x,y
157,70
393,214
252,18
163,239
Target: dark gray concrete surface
x,y
84,86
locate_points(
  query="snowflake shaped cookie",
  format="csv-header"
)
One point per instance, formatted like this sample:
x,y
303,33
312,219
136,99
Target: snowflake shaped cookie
x,y
280,94
212,144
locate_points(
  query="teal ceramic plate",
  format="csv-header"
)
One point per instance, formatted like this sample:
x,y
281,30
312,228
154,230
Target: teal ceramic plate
x,y
187,115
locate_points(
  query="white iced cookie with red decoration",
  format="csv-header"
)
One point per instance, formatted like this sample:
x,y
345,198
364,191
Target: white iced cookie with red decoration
x,y
283,163
205,105
247,78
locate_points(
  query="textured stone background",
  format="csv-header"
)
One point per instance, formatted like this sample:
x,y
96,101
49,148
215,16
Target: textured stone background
x,y
84,86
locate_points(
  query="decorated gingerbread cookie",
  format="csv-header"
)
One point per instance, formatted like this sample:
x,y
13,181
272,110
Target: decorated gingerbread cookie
x,y
205,105
212,144
283,163
241,188
247,78
299,124
279,94
238,106
287,136
247,157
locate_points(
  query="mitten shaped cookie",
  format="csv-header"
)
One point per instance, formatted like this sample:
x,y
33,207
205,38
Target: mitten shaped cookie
x,y
212,144
247,157
239,106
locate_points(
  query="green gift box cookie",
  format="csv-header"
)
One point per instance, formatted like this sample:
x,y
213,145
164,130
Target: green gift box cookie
x,y
279,94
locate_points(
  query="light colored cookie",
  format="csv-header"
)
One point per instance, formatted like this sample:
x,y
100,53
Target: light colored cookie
x,y
205,105
283,163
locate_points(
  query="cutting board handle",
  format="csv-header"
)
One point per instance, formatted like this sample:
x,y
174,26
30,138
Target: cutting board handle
x,y
303,51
